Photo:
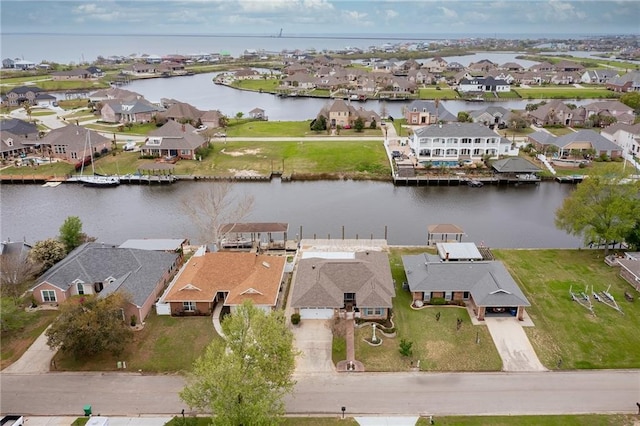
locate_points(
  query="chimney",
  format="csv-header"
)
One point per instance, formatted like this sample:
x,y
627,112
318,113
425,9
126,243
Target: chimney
x,y
183,127
446,256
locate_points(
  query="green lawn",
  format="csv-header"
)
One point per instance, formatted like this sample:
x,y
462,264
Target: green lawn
x,y
166,344
564,92
563,420
559,131
441,93
15,343
58,169
265,85
437,344
563,328
271,129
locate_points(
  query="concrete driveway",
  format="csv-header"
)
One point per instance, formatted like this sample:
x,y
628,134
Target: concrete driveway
x,y
36,359
313,339
513,345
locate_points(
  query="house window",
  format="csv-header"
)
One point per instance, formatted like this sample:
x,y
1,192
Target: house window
x,y
189,306
465,295
74,155
349,297
80,287
373,312
48,296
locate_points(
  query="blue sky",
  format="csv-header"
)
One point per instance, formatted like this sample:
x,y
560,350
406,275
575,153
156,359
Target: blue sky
x,y
298,17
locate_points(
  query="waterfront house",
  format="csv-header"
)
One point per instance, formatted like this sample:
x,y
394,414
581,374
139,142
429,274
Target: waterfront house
x,y
581,141
17,137
427,112
491,116
95,268
76,74
483,84
128,111
227,279
257,114
182,111
436,65
516,168
612,108
626,136
341,113
69,143
556,112
598,76
328,284
486,286
18,95
114,93
629,82
211,119
173,140
446,144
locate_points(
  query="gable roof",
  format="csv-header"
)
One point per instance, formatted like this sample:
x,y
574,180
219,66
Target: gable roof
x,y
75,137
515,165
183,110
322,282
136,272
455,130
597,141
430,107
17,127
173,135
489,282
243,276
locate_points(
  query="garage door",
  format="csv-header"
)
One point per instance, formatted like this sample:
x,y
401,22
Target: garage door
x,y
316,313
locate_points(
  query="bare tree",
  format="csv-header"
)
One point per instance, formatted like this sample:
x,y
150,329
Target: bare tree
x,y
214,206
16,269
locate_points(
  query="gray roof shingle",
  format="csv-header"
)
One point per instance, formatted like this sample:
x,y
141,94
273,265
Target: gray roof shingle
x,y
489,282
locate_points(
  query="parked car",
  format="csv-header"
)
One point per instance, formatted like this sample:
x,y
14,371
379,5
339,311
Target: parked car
x,y
129,146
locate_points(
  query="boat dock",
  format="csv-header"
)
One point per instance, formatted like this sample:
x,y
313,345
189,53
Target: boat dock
x,y
570,179
444,180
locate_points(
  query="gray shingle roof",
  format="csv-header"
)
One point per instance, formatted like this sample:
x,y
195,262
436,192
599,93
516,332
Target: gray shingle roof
x,y
323,282
136,272
597,141
489,282
515,165
455,130
430,106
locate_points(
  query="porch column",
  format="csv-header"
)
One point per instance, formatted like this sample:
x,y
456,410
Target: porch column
x,y
521,313
481,312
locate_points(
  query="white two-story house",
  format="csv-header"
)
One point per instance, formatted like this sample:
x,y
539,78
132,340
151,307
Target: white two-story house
x,y
446,144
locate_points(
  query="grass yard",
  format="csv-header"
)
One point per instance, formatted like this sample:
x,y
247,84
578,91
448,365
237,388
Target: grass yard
x,y
563,420
50,170
441,93
158,348
14,344
559,131
564,329
437,344
264,85
271,129
564,92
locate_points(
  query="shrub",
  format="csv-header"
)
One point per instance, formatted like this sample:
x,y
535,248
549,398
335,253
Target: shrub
x,y
295,318
134,320
405,348
438,301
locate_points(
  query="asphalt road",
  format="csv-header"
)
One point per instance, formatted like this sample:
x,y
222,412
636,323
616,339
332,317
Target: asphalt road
x,y
122,394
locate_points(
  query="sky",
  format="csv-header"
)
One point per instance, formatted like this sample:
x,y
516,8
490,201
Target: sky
x,y
300,17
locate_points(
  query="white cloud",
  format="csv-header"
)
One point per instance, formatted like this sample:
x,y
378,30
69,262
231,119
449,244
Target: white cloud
x,y
449,13
357,18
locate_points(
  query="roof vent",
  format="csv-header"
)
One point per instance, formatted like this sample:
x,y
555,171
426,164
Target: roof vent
x,y
313,266
266,265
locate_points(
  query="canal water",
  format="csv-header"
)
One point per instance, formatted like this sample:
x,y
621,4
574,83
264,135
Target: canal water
x,y
500,216
200,91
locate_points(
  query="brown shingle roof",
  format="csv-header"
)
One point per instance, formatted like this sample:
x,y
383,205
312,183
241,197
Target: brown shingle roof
x,y
323,282
242,275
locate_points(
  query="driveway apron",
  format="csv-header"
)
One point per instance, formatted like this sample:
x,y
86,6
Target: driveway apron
x,y
513,345
313,338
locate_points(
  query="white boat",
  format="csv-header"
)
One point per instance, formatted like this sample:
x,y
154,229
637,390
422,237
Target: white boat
x,y
95,180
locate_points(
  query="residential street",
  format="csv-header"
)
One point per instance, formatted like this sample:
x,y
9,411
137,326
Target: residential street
x,y
122,394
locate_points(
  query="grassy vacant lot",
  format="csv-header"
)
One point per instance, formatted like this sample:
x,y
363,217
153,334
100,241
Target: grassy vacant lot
x,y
290,129
432,92
564,92
14,344
564,329
265,85
564,420
159,347
437,344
